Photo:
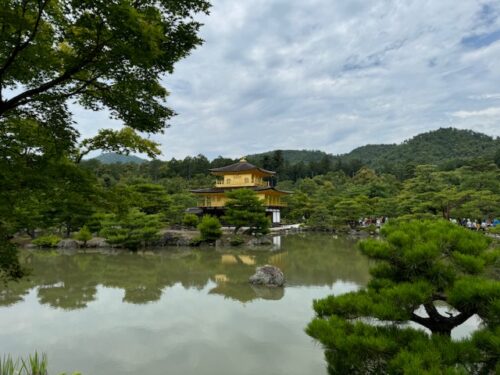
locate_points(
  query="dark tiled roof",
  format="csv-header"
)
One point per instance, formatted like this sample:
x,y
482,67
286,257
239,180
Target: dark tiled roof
x,y
241,166
207,190
221,190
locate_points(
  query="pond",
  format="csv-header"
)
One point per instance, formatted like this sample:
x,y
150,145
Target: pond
x,y
177,310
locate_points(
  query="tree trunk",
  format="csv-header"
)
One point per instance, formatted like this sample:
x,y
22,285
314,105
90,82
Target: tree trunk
x,y
439,324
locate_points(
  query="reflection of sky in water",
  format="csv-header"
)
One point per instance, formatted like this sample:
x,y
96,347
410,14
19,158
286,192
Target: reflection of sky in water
x,y
188,331
179,311
462,331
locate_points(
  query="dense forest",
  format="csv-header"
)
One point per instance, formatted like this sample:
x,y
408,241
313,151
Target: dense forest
x,y
331,191
447,148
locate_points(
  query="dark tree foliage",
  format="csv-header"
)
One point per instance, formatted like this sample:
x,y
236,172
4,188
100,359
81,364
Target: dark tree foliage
x,y
421,265
133,230
496,158
100,54
245,209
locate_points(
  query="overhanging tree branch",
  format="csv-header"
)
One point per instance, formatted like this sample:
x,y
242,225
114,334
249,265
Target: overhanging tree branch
x,y
22,45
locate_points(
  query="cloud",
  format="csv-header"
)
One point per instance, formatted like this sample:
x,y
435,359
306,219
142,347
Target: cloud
x,y
330,75
485,96
487,112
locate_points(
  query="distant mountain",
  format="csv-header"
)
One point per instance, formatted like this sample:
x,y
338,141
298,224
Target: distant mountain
x,y
445,146
290,156
111,158
434,147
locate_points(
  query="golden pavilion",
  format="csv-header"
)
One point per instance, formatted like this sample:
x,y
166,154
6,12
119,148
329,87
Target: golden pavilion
x,y
241,175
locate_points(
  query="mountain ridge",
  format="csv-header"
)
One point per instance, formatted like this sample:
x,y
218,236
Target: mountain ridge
x,y
444,145
433,147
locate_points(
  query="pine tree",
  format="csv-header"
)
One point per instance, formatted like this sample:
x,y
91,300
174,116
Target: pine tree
x,y
420,265
245,209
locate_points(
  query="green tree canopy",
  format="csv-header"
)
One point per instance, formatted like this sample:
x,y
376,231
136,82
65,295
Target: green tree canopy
x,y
419,265
132,231
100,53
123,141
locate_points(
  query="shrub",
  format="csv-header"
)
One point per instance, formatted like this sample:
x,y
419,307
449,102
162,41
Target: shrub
x,y
210,228
197,241
190,220
83,235
494,230
236,241
50,240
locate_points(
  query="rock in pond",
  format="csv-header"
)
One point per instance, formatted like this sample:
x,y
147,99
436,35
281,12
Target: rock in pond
x,y
97,242
268,275
260,241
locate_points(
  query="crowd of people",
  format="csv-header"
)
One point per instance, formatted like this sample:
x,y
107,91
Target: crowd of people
x,y
465,222
476,224
377,221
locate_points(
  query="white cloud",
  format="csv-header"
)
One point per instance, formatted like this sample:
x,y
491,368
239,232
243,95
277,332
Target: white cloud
x,y
487,112
331,75
485,96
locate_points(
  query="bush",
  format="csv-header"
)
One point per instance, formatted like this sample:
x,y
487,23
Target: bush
x,y
197,241
494,230
50,240
236,241
190,220
83,235
210,228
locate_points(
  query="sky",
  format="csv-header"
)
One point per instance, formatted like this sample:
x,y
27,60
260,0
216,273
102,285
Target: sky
x,y
330,75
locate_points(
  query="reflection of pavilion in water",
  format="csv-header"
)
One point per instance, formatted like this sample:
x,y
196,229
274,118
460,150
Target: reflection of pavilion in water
x,y
71,281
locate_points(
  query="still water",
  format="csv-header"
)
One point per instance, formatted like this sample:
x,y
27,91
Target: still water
x,y
177,311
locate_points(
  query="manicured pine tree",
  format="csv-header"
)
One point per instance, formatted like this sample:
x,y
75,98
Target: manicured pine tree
x,y
421,266
245,209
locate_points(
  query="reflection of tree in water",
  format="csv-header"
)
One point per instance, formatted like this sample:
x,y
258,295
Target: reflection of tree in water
x,y
70,281
14,293
142,294
65,297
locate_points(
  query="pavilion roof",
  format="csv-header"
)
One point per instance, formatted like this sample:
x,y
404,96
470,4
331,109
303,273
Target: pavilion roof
x,y
222,190
241,166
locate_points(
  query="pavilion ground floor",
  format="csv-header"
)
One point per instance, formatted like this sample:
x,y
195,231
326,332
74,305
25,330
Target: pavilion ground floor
x,y
274,213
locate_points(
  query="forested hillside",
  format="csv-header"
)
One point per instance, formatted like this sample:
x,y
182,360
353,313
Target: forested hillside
x,y
440,147
290,156
112,157
446,148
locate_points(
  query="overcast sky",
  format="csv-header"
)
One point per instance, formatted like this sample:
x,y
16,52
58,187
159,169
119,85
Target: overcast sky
x,y
331,75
